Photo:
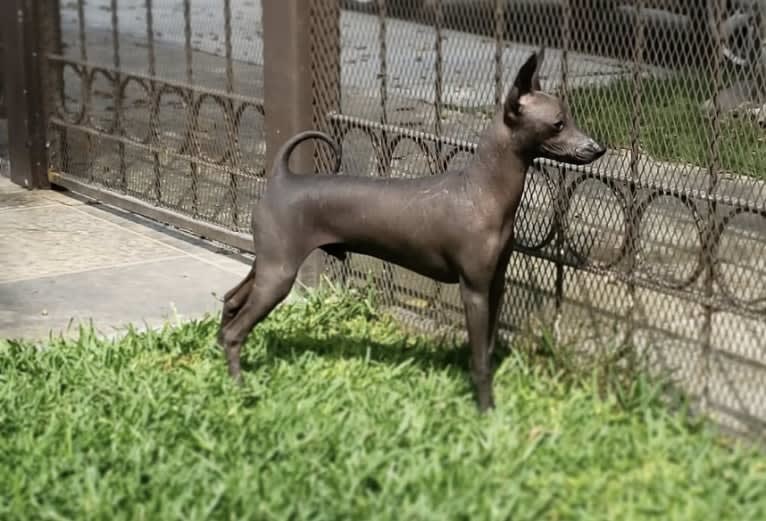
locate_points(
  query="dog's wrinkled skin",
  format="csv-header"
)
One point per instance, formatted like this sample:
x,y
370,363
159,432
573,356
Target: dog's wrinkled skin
x,y
454,228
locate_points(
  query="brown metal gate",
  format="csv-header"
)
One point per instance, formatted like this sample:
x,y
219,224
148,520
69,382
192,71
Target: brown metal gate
x,y
148,118
172,108
157,106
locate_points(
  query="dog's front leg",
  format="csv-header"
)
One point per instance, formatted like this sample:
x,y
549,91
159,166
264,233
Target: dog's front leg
x,y
479,322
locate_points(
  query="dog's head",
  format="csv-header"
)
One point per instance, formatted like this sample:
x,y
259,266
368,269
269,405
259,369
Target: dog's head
x,y
541,123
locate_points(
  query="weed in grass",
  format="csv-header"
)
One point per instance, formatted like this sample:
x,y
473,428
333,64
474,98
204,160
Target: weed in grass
x,y
343,416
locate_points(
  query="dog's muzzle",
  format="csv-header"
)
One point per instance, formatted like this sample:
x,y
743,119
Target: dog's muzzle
x,y
589,151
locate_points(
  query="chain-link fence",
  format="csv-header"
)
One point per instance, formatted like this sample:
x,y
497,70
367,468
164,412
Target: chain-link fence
x,y
660,244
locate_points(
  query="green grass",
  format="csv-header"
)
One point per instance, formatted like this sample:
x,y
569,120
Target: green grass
x,y
673,127
344,416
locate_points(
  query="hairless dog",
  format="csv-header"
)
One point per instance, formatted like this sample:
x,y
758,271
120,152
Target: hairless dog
x,y
455,228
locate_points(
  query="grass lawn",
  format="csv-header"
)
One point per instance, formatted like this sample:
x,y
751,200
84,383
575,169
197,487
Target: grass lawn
x,y
343,416
673,127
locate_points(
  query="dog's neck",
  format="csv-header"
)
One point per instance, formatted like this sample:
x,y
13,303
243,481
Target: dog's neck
x,y
500,163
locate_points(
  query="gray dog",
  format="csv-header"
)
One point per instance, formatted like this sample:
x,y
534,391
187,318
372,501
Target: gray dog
x,y
455,228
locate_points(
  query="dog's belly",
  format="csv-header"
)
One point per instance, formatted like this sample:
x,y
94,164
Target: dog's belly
x,y
428,264
402,221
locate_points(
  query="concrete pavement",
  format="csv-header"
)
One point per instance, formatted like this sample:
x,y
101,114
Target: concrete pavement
x,y
65,261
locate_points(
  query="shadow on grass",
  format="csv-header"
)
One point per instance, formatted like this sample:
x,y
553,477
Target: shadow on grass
x,y
609,375
446,355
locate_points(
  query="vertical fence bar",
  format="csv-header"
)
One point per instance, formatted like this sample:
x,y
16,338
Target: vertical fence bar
x,y
154,113
2,73
25,60
192,113
326,88
383,71
635,151
561,193
711,235
227,46
290,88
759,74
230,134
85,79
440,166
151,59
384,156
187,42
325,67
499,38
287,77
566,35
118,123
438,74
81,37
49,28
438,83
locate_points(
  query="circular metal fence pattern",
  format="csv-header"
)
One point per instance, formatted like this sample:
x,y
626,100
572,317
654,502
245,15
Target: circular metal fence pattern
x,y
595,223
742,286
138,125
72,75
206,115
660,260
535,226
205,135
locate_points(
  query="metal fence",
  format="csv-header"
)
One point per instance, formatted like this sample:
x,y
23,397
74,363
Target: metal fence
x,y
660,244
2,89
173,107
4,166
162,101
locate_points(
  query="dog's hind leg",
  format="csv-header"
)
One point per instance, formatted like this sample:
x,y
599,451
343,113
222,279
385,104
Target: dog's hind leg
x,y
270,286
233,291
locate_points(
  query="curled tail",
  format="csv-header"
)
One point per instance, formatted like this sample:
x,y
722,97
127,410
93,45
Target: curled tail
x,y
281,161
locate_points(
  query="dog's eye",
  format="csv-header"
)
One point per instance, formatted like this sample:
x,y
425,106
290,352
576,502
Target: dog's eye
x,y
559,126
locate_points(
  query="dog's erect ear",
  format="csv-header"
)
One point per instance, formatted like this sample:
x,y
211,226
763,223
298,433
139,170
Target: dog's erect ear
x,y
527,80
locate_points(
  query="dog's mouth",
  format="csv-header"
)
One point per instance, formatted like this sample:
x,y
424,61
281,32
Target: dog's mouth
x,y
586,158
580,155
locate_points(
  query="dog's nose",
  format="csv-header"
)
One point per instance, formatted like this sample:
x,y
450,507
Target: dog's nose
x,y
599,150
592,149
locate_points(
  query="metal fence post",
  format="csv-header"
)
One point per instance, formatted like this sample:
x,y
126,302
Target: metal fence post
x,y
2,74
301,80
26,38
